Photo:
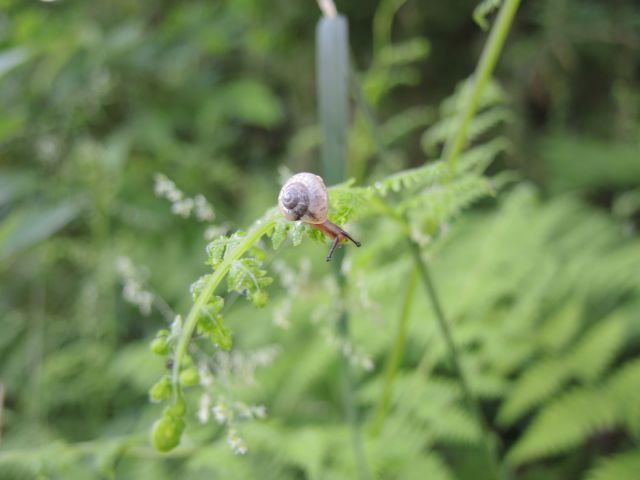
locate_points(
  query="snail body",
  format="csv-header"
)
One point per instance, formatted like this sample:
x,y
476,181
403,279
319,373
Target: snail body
x,y
304,197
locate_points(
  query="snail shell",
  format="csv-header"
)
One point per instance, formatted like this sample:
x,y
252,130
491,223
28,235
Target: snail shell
x,y
304,197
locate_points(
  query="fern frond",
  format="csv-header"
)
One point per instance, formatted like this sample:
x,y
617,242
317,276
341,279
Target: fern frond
x,y
598,347
428,174
493,94
454,426
622,387
403,53
537,384
561,326
402,124
345,201
479,157
492,112
476,158
430,466
484,383
404,451
443,201
564,424
482,123
433,406
587,361
620,273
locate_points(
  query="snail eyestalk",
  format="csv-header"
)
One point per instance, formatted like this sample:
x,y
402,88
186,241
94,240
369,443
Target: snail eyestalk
x,y
335,232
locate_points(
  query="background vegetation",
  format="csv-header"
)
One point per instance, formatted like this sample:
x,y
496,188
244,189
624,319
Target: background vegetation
x,y
531,242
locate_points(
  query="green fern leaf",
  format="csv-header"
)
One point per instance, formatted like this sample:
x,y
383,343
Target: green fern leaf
x,y
564,424
454,426
561,326
429,466
537,384
492,95
482,10
482,123
597,348
622,386
410,178
279,233
441,202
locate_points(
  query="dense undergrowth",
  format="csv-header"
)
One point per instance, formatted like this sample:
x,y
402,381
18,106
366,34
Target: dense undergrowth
x,y
529,235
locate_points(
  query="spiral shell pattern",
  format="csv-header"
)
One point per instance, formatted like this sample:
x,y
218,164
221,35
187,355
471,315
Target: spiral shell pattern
x,y
304,197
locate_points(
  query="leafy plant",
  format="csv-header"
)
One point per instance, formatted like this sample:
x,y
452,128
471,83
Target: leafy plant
x,y
486,328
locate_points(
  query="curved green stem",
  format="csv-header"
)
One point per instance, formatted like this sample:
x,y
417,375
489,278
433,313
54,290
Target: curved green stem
x,y
348,390
471,400
260,228
393,362
481,76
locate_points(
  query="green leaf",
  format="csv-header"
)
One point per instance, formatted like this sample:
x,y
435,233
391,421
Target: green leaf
x,y
533,387
280,233
246,276
565,424
482,10
252,102
209,314
405,52
161,390
215,304
221,335
26,227
297,233
597,349
216,250
197,286
625,466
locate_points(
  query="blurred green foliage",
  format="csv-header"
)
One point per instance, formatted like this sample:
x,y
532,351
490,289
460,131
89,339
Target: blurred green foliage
x,y
541,284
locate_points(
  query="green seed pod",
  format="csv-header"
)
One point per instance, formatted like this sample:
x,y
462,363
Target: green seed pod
x,y
159,346
260,298
177,410
189,377
161,390
166,432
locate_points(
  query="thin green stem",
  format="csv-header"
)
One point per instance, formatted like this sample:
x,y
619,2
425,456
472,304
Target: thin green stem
x,y
383,23
472,402
348,390
262,227
481,76
380,205
452,151
371,123
393,362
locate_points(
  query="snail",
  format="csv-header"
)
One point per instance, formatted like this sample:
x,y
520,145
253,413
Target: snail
x,y
304,197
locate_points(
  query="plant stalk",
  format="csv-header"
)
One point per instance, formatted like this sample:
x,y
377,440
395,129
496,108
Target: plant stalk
x,y
393,362
472,402
481,76
261,228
